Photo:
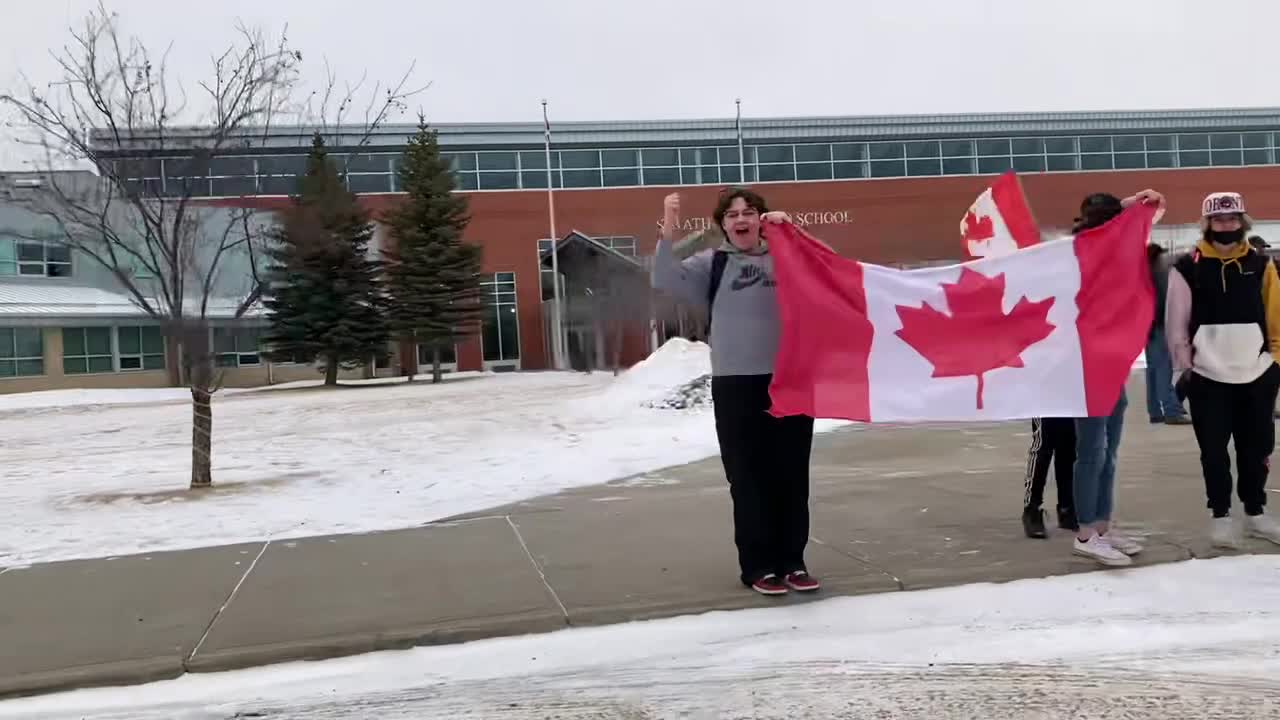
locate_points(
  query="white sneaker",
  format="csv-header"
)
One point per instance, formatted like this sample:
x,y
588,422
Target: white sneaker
x,y
1222,534
1097,548
1123,543
1263,527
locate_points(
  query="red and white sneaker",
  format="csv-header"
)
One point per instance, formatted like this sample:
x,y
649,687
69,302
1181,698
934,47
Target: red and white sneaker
x,y
801,581
769,585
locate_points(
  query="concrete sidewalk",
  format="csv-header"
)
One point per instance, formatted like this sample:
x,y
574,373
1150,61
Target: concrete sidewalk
x,y
894,509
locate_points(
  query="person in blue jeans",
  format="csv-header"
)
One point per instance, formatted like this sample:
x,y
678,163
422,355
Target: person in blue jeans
x,y
1098,438
1163,406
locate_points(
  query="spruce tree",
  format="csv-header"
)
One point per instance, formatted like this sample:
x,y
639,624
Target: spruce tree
x,y
433,276
326,298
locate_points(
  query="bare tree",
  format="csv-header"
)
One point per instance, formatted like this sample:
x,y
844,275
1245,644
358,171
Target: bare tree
x,y
182,260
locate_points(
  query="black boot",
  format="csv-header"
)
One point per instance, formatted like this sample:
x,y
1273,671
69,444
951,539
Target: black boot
x,y
1033,523
1067,519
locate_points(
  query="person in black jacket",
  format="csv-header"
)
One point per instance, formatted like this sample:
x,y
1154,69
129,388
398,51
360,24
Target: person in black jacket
x,y
1222,318
1162,402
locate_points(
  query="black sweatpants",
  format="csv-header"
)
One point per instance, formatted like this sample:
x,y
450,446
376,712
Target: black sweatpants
x,y
1221,412
1053,441
766,461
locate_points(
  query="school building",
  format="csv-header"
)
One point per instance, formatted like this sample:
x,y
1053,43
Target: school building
x,y
886,189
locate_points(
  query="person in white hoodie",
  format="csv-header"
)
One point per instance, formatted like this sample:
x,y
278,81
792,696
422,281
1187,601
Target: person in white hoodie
x,y
1222,319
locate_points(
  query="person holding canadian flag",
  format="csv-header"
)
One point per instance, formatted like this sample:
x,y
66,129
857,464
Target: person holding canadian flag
x,y
1222,320
1098,436
765,458
1050,329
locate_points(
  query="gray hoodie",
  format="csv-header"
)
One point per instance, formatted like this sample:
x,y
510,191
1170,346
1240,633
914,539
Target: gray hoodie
x,y
744,334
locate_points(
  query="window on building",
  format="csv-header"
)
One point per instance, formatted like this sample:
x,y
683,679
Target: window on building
x,y
769,154
1028,163
957,148
1259,156
1128,143
888,150
140,347
923,150
1028,146
621,177
1060,146
36,258
813,153
1098,144
546,275
8,257
813,171
661,157
500,329
994,165
618,159
958,166
661,176
625,244
846,151
994,148
849,170
1095,162
775,173
374,183
21,352
237,347
501,160
888,168
498,180
581,178
931,166
87,350
1130,161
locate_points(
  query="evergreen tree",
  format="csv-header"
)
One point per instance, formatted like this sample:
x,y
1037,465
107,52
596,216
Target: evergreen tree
x,y
326,298
432,275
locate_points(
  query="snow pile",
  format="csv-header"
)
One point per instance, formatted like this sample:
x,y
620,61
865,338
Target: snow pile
x,y
676,364
694,394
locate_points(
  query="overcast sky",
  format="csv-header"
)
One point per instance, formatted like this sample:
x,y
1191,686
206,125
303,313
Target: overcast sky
x,y
634,59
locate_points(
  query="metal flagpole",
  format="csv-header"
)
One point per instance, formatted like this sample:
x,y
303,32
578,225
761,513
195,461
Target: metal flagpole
x,y
742,161
557,344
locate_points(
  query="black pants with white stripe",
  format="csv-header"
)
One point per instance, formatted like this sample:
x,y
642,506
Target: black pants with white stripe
x,y
1053,441
766,460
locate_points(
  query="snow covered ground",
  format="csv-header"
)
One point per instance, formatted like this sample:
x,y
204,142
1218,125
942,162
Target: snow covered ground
x,y
91,474
1199,639
94,473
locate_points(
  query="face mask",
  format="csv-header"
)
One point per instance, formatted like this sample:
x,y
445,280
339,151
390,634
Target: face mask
x,y
1225,237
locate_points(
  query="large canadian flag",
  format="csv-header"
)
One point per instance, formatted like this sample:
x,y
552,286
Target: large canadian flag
x,y
1050,330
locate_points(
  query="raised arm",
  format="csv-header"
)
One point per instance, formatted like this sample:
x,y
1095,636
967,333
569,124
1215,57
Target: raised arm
x,y
689,280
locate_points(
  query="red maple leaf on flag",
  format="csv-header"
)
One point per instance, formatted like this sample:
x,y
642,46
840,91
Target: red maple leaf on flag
x,y
975,229
978,336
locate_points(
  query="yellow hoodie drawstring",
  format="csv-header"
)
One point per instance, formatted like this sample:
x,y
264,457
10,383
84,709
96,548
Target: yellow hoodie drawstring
x,y
1209,250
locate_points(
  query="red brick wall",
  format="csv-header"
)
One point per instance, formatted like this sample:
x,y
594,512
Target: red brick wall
x,y
888,221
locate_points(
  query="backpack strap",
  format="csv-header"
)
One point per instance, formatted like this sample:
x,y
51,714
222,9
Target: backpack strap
x,y
719,259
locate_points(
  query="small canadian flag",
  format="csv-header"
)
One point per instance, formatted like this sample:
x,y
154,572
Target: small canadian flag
x,y
999,221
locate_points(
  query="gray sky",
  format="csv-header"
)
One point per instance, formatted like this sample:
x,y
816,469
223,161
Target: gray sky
x,y
607,59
